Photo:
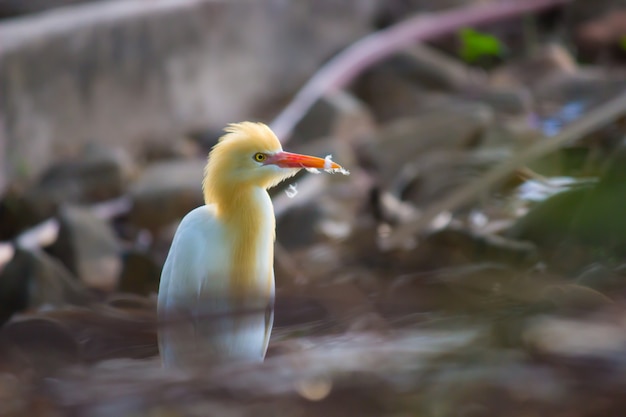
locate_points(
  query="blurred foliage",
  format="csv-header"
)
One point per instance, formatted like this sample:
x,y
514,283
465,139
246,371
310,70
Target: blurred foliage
x,y
475,45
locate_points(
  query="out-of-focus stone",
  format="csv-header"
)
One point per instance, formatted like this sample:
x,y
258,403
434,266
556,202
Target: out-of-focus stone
x,y
437,71
339,114
479,248
601,278
391,94
576,338
107,332
400,145
469,388
37,344
131,71
88,248
586,88
95,174
34,279
297,227
293,309
140,274
545,62
572,297
504,100
165,192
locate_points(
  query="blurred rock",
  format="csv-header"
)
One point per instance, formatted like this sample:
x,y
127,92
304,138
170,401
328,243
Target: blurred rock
x,y
340,115
588,87
205,139
88,248
298,226
111,72
485,286
106,332
40,345
470,389
95,174
166,192
34,279
46,341
177,148
601,278
478,248
415,293
576,338
438,71
550,60
600,37
18,213
293,309
401,145
140,273
390,93
504,100
572,297
595,27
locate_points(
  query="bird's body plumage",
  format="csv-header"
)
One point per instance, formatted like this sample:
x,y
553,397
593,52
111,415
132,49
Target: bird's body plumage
x,y
217,286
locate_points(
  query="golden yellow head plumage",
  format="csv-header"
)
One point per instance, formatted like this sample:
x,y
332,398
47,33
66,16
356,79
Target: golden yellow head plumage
x,y
239,159
250,155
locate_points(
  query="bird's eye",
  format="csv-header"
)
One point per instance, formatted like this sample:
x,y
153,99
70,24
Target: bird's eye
x,y
260,157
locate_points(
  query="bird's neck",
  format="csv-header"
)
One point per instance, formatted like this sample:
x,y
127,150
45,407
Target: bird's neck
x,y
249,217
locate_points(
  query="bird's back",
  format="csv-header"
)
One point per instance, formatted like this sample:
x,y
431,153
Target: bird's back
x,y
199,317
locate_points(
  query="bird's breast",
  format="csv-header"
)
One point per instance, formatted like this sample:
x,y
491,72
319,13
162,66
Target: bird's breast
x,y
252,239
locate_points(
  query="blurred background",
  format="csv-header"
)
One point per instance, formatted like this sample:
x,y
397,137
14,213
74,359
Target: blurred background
x,y
472,264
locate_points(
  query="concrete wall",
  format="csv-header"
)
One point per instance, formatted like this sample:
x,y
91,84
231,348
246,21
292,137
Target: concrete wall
x,y
132,72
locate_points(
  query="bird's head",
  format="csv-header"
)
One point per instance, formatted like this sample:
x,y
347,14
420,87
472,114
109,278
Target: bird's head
x,y
250,154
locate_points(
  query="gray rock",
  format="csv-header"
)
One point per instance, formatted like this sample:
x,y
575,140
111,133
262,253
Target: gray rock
x,y
33,279
95,174
165,192
550,60
398,145
297,227
392,94
601,278
435,70
503,100
42,345
140,274
88,247
340,115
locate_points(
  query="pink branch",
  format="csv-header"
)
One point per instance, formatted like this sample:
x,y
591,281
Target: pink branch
x,y
346,66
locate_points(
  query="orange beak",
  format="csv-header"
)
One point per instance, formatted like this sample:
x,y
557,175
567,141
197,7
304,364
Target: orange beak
x,y
294,160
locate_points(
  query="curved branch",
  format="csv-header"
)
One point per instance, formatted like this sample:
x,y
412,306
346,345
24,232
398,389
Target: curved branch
x,y
343,68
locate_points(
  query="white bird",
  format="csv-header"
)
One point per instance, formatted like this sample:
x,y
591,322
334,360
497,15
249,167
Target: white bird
x,y
217,286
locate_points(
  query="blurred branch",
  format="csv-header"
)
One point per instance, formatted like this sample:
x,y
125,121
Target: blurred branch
x,y
347,65
587,124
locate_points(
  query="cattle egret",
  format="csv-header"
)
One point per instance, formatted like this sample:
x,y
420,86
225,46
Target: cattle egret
x,y
217,286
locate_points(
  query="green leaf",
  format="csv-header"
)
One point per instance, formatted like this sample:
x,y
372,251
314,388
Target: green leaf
x,y
476,45
622,43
